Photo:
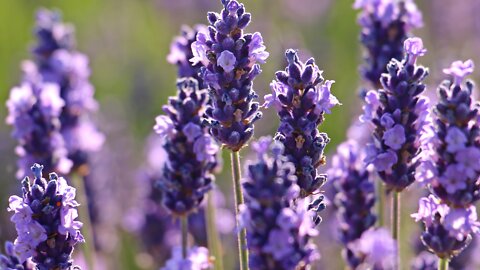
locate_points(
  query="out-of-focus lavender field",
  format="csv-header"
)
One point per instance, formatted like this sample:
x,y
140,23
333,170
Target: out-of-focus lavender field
x,y
127,42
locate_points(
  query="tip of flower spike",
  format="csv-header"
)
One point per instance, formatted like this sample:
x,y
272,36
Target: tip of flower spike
x,y
187,83
459,70
37,170
292,56
414,48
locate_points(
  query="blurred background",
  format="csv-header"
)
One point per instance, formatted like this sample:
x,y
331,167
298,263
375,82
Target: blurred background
x,y
127,42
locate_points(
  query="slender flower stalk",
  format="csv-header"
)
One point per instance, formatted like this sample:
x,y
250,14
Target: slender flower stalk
x,y
355,197
302,97
279,230
443,264
231,62
449,168
45,220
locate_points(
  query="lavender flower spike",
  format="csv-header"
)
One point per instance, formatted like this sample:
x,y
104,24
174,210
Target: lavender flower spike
x,y
378,249
355,197
447,230
187,176
45,220
452,150
11,261
197,259
230,60
399,114
386,24
278,230
57,61
302,97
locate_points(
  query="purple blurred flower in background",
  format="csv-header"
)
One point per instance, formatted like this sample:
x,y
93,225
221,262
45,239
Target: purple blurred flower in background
x,y
181,52
197,259
187,175
386,24
45,220
399,114
11,261
279,230
57,61
355,197
230,60
378,249
302,97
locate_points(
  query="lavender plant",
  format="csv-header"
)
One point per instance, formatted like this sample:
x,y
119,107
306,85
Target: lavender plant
x,y
197,258
11,261
449,167
279,232
231,62
377,249
302,97
355,197
45,220
385,24
56,61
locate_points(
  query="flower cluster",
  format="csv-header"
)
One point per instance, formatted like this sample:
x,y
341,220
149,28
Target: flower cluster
x,y
278,230
11,261
197,259
302,97
450,164
56,61
34,108
181,52
355,196
230,60
399,114
424,261
447,229
386,24
191,151
45,220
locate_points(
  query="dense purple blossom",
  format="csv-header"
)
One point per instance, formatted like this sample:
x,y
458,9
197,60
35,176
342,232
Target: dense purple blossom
x,y
230,58
386,24
34,108
187,175
302,97
355,197
452,149
279,230
447,230
45,220
197,259
181,52
56,61
399,114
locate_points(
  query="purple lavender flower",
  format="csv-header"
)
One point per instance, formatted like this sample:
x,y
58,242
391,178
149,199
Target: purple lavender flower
x,y
197,259
425,261
447,230
34,108
278,230
230,60
453,149
378,249
45,220
386,24
11,261
187,176
399,114
355,197
302,97
181,52
57,62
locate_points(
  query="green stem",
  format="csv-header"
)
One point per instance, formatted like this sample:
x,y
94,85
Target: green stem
x,y
396,223
184,225
214,244
380,203
242,234
443,264
88,247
